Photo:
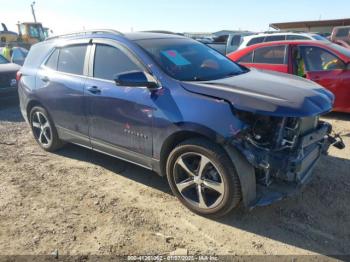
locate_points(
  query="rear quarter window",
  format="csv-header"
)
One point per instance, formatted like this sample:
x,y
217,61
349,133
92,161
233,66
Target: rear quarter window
x,y
52,61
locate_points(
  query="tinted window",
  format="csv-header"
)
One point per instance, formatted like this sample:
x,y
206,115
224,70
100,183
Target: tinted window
x,y
52,61
220,39
110,61
343,32
71,59
236,40
318,59
270,55
247,58
188,60
275,38
297,37
256,40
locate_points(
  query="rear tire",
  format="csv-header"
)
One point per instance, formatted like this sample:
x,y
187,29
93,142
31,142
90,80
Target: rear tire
x,y
44,130
203,178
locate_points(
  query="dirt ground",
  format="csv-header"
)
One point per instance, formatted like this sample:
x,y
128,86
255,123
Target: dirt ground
x,y
81,202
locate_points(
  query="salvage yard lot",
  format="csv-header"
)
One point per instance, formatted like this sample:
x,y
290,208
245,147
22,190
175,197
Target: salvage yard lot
x,y
81,202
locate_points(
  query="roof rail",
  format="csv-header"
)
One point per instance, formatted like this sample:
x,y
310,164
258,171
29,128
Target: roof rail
x,y
86,32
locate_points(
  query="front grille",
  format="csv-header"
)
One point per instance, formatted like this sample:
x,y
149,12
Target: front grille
x,y
6,79
308,124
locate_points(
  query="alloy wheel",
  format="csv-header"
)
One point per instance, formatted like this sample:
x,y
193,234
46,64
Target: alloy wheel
x,y
198,180
41,128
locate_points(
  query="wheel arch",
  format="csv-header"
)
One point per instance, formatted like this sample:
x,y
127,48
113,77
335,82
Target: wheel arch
x,y
244,169
31,104
171,142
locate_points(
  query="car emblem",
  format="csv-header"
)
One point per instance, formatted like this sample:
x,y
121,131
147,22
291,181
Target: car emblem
x,y
13,82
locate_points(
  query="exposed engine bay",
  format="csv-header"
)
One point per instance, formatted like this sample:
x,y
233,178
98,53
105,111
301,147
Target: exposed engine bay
x,y
284,149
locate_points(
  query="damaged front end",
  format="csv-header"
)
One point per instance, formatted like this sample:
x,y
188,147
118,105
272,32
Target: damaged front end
x,y
283,151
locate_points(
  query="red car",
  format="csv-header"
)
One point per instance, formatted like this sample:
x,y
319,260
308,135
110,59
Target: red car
x,y
326,63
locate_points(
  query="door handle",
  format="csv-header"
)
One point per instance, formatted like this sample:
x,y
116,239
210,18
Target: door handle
x,y
94,90
45,79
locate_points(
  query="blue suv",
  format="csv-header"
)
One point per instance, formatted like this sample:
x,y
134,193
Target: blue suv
x,y
221,133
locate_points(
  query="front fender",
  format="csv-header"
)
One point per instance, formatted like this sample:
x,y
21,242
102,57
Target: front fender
x,y
246,174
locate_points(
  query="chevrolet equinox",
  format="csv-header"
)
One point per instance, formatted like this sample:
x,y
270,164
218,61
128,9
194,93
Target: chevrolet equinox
x,y
221,133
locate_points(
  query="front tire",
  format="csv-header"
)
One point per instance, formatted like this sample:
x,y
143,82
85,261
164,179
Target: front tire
x,y
43,129
203,178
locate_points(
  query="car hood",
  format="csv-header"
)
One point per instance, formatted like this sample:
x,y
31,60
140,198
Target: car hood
x,y
10,67
268,93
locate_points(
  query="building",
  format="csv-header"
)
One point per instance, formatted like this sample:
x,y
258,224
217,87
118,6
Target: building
x,y
319,26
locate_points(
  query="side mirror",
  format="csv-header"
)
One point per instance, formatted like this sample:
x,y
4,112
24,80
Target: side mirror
x,y
136,79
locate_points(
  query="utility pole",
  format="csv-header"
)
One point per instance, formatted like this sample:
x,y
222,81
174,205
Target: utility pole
x,y
33,11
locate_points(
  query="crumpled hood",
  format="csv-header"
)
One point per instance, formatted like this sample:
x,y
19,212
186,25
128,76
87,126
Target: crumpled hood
x,y
268,93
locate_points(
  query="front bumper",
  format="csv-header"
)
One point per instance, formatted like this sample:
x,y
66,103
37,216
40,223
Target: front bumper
x,y
286,172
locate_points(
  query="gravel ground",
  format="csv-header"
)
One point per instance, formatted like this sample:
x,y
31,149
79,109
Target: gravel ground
x,y
81,202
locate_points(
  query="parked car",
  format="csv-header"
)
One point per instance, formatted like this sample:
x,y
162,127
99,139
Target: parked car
x,y
226,44
323,62
219,132
8,83
341,36
272,37
19,54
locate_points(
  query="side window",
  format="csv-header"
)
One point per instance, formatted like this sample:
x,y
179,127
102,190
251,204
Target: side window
x,y
270,55
110,61
71,59
318,59
297,37
275,38
222,39
52,61
236,40
343,32
247,58
256,40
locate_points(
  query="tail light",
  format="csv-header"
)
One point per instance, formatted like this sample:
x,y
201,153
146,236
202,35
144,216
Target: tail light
x,y
18,76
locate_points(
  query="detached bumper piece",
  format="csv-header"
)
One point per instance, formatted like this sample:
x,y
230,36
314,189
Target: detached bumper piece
x,y
284,173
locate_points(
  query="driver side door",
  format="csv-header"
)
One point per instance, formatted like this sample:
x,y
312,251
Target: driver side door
x,y
328,70
120,117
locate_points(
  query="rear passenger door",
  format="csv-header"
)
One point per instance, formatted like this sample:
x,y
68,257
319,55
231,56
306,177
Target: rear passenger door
x,y
120,117
61,83
274,58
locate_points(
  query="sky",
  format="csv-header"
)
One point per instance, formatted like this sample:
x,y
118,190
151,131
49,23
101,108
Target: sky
x,y
175,15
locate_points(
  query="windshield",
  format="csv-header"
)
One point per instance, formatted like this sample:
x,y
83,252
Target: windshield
x,y
189,60
37,32
342,50
3,60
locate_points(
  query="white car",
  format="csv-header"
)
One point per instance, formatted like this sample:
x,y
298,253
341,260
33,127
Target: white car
x,y
270,37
